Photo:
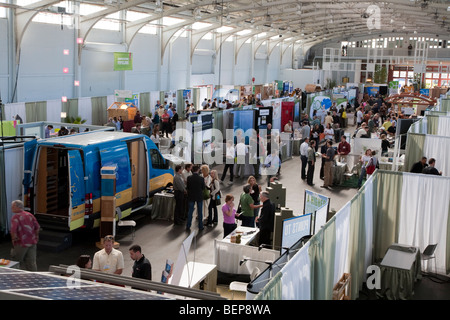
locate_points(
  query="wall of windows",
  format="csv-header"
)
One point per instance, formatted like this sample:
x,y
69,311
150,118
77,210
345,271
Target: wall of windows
x,y
397,42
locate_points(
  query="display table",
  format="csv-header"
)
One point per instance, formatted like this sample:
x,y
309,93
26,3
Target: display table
x,y
247,235
199,276
163,206
11,264
400,269
228,255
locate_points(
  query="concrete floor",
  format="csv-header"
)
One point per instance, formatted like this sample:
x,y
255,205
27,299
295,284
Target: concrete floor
x,y
161,240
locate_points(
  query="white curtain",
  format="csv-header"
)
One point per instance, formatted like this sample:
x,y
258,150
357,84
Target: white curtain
x,y
443,126
54,110
12,109
438,147
85,109
424,213
341,259
368,219
296,279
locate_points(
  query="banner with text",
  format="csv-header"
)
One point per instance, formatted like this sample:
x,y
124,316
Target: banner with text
x,y
123,61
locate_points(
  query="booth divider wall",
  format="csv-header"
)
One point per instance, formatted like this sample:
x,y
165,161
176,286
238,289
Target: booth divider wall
x,y
392,207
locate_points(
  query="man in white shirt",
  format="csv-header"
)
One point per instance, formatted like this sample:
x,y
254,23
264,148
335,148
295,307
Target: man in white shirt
x,y
204,102
229,161
304,157
241,151
272,164
359,117
108,260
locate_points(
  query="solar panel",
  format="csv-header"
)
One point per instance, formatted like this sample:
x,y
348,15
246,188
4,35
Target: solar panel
x,y
49,286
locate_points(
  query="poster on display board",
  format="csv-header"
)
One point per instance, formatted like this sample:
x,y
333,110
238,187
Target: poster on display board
x,y
294,229
321,104
314,201
320,218
187,95
134,99
372,91
351,96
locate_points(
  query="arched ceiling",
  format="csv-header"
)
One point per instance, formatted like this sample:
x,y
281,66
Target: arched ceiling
x,y
308,22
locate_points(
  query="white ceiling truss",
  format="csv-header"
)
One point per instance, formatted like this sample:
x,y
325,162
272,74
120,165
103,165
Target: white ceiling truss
x,y
303,23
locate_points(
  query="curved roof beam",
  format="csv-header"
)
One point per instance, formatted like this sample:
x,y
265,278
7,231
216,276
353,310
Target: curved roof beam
x,y
24,15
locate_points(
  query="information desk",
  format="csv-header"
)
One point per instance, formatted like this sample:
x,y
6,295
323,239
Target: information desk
x,y
400,269
163,206
228,255
200,276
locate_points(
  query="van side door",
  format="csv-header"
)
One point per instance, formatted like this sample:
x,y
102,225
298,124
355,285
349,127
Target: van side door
x,y
29,150
77,189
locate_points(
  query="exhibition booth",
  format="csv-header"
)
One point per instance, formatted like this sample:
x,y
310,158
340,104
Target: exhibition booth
x,y
390,212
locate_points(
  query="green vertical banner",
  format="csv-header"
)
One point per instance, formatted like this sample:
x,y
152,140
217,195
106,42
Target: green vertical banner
x,y
123,61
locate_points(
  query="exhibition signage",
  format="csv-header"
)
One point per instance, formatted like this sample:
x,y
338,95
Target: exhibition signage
x,y
134,99
317,205
320,104
123,61
314,201
294,229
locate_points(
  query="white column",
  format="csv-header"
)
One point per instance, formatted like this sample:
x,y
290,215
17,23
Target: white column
x,y
357,71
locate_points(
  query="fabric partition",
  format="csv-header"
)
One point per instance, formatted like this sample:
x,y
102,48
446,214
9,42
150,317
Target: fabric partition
x,y
36,111
54,110
388,191
321,251
218,122
70,108
369,218
144,103
296,276
341,261
154,97
10,111
432,124
4,209
99,110
85,109
443,126
272,290
414,150
438,147
357,248
423,215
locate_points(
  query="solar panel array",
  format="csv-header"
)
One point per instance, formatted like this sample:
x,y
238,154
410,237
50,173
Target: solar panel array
x,y
35,285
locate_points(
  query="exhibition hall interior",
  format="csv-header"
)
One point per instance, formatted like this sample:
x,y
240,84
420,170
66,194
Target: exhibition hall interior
x,y
224,150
